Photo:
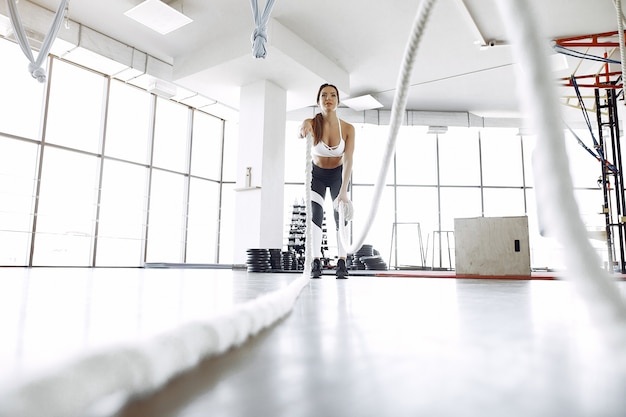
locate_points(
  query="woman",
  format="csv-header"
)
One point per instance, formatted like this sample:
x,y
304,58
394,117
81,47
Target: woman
x,y
333,147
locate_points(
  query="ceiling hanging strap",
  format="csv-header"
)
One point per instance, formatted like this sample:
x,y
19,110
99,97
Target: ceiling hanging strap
x,y
35,65
259,36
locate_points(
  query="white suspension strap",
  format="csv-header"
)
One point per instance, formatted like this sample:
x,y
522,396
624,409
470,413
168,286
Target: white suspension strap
x,y
555,199
259,36
35,65
397,114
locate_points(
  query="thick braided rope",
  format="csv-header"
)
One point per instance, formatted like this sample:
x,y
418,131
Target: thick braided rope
x,y
556,204
620,31
397,114
308,241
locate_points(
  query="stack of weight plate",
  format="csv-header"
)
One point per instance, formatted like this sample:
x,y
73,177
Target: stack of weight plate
x,y
374,262
258,260
276,260
365,251
289,260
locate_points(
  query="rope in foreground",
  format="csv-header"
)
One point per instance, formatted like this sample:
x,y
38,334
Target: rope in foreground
x,y
556,204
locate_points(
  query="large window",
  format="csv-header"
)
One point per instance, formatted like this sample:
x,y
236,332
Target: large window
x,y
166,221
379,231
416,157
295,153
459,157
67,209
584,167
203,222
110,180
171,138
18,167
22,97
129,127
417,215
122,219
206,151
504,202
501,157
75,114
369,148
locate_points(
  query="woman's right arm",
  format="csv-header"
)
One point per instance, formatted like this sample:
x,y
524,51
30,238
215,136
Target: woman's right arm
x,y
305,128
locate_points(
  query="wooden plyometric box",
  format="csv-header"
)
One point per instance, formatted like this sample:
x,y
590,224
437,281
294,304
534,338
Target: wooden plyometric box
x,y
492,246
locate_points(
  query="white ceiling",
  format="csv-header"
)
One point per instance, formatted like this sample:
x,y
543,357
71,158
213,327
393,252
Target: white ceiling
x,y
356,43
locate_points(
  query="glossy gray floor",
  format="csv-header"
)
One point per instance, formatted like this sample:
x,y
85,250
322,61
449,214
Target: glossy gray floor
x,y
367,346
407,347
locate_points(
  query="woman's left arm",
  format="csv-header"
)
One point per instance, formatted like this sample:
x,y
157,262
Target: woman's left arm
x,y
347,162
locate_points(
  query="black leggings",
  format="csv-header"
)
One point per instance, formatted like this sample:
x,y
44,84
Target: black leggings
x,y
322,179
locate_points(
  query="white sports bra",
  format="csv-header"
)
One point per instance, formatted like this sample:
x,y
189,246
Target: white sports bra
x,y
322,149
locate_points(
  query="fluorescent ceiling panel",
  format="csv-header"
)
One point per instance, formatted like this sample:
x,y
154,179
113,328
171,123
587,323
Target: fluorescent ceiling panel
x,y
158,16
366,102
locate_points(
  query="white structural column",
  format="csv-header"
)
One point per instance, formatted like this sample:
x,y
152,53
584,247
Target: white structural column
x,y
260,169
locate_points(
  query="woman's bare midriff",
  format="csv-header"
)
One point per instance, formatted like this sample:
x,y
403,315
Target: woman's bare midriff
x,y
327,162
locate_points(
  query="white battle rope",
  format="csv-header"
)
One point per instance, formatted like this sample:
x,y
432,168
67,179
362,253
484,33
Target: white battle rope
x,y
556,205
620,32
618,8
308,238
259,36
397,115
35,67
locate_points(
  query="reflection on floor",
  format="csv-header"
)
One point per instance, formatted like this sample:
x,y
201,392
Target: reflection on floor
x,y
368,346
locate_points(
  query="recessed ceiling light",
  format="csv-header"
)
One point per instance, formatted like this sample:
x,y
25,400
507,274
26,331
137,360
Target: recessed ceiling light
x,y
158,16
366,102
